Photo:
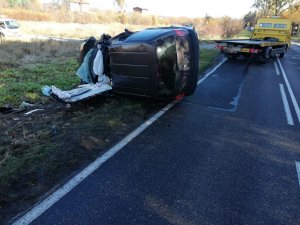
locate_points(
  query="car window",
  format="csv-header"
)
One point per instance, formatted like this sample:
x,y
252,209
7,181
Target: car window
x,y
280,25
11,24
265,25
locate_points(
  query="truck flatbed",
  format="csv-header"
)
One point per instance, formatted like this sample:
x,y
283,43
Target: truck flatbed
x,y
244,42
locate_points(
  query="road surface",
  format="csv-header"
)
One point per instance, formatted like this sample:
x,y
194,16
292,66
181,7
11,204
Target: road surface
x,y
226,155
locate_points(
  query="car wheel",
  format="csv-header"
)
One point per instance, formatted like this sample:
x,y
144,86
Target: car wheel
x,y
192,79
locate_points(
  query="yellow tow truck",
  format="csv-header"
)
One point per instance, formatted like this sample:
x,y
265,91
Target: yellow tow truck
x,y
271,36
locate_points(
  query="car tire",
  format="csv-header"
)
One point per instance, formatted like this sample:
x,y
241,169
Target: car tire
x,y
192,80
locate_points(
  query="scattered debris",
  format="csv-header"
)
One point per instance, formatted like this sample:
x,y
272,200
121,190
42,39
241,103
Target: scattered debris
x,y
25,105
81,92
32,111
47,90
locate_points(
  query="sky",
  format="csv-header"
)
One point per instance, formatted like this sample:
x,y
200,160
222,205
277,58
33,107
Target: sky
x,y
187,8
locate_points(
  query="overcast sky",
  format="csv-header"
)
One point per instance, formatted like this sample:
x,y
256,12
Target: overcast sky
x,y
188,8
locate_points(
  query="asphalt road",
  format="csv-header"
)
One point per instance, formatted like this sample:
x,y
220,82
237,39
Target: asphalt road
x,y
226,155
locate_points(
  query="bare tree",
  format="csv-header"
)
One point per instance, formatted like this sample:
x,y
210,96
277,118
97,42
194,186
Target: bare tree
x,y
231,26
250,18
120,4
274,7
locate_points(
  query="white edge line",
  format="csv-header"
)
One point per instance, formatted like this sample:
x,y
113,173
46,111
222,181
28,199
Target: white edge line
x,y
212,71
276,68
41,207
294,101
298,171
287,110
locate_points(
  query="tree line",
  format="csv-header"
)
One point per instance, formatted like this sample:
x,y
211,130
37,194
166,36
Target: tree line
x,y
260,7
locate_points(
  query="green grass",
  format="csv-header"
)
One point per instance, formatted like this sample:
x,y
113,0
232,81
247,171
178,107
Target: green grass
x,y
24,84
207,58
244,34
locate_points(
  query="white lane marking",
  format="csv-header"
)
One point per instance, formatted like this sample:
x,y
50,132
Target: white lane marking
x,y
287,110
276,68
298,171
296,106
44,205
212,71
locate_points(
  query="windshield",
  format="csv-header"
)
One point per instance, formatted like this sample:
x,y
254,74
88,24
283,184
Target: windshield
x,y
265,25
11,24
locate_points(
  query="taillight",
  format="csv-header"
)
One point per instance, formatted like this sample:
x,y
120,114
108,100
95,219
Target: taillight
x,y
252,50
180,33
221,47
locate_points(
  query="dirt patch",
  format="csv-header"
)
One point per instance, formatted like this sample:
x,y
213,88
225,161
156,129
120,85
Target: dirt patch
x,y
41,150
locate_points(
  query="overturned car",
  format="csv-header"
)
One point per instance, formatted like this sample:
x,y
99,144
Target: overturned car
x,y
160,63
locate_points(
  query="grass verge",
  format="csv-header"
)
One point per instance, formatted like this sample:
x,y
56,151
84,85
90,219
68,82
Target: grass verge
x,y
207,58
25,67
24,84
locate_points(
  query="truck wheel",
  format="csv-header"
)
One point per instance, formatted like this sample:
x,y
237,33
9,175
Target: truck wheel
x,y
268,52
281,55
262,59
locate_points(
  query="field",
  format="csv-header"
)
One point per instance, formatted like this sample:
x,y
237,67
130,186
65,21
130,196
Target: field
x,y
75,30
41,150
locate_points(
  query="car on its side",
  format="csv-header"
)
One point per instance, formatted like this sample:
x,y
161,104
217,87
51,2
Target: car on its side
x,y
9,28
160,63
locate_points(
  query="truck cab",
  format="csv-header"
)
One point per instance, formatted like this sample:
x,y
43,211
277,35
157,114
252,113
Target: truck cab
x,y
273,28
8,28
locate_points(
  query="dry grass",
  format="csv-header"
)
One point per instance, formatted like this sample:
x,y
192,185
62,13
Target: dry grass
x,y
64,23
74,30
16,53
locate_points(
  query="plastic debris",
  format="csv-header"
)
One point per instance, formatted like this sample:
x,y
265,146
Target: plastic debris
x,y
82,91
32,111
25,105
47,90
